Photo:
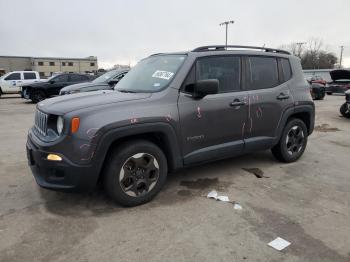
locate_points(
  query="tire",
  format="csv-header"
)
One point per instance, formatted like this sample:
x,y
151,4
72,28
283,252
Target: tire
x,y
344,110
297,143
321,96
329,93
38,96
145,180
0,92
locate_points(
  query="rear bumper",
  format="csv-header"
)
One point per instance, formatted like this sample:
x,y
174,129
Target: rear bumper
x,y
59,175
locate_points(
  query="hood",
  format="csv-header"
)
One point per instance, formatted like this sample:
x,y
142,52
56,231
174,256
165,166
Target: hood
x,y
340,74
82,85
65,104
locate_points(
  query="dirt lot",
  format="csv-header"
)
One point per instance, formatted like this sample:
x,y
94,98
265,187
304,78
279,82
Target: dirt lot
x,y
306,203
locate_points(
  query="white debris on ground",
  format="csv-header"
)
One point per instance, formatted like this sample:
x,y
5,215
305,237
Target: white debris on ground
x,y
215,195
237,206
279,244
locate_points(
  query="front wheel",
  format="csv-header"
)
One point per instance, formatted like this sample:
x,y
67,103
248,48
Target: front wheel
x,y
135,173
38,96
345,110
293,141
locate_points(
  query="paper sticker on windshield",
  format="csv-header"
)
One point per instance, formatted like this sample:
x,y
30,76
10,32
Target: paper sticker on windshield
x,y
163,74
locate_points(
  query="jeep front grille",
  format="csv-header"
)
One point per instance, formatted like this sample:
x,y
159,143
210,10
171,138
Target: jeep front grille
x,y
40,122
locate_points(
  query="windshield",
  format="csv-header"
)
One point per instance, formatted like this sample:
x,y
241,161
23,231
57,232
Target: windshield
x,y
151,74
105,77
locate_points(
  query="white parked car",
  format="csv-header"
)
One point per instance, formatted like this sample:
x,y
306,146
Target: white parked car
x,y
11,82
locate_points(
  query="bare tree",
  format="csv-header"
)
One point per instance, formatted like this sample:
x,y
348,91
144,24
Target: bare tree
x,y
313,54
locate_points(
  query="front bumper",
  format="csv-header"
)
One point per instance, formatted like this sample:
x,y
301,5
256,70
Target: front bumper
x,y
59,175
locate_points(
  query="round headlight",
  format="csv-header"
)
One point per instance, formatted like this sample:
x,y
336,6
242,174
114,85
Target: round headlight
x,y
59,124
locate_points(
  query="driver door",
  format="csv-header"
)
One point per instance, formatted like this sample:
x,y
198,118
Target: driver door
x,y
212,127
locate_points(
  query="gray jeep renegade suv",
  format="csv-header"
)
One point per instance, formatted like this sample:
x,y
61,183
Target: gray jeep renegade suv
x,y
171,111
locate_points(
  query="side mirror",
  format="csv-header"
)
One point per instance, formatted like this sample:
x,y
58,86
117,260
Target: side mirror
x,y
52,81
113,82
205,87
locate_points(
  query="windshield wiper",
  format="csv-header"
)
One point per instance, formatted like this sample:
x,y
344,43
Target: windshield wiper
x,y
126,91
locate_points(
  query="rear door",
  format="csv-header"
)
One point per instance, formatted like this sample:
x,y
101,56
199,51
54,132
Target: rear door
x,y
29,77
267,81
211,127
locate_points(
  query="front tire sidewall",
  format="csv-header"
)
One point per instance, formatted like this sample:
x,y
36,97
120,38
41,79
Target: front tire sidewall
x,y
116,162
280,150
38,96
343,110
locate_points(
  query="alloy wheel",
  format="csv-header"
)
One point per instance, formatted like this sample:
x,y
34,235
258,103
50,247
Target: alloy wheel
x,y
139,174
295,140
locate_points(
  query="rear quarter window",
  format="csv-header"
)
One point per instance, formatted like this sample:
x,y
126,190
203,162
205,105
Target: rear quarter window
x,y
286,68
262,72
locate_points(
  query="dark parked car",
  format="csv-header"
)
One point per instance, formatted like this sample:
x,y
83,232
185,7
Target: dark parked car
x,y
318,91
42,90
345,108
106,81
172,111
340,83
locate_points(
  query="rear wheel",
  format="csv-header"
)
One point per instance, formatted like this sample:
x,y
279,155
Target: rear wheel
x,y
135,173
293,141
345,110
329,93
38,96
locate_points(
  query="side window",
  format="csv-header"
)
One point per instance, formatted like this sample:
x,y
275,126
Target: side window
x,y
61,78
287,70
77,78
14,76
28,76
262,72
225,69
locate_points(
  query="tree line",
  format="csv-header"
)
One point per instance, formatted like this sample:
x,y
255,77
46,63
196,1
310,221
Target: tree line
x,y
313,54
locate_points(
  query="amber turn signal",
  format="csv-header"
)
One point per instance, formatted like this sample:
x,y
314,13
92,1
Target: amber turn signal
x,y
75,124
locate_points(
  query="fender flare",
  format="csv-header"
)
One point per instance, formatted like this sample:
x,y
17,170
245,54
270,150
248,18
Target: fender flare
x,y
111,134
306,108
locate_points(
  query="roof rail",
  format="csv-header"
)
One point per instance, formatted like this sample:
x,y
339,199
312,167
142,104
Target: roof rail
x,y
223,48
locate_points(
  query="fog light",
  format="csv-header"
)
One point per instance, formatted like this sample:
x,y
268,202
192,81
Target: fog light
x,y
54,157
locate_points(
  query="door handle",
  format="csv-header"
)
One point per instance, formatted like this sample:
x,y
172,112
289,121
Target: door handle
x,y
282,96
237,102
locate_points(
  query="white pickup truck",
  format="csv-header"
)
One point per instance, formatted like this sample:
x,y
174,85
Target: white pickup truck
x,y
11,82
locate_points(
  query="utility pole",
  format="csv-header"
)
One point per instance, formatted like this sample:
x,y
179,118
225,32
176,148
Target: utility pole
x,y
226,23
299,44
341,55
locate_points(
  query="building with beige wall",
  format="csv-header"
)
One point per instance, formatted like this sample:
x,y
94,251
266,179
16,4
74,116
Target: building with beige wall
x,y
46,66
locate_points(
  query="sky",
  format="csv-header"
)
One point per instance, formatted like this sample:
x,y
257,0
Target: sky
x,y
125,31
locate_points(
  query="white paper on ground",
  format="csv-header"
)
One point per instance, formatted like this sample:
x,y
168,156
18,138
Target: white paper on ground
x,y
279,244
212,194
223,198
237,206
215,195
